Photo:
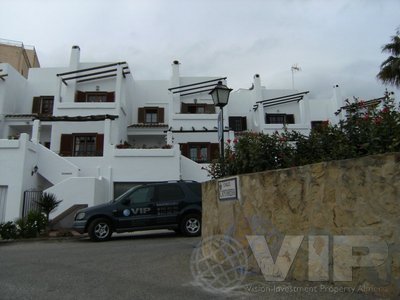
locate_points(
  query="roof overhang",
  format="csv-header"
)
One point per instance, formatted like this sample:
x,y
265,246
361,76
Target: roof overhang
x,y
283,99
94,73
196,88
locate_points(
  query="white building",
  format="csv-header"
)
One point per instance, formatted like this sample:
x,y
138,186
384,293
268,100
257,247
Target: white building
x,y
89,131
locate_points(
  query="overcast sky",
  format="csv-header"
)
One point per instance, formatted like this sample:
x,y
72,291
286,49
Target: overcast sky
x,y
333,42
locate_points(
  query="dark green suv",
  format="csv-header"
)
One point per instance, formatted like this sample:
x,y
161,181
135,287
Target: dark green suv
x,y
167,205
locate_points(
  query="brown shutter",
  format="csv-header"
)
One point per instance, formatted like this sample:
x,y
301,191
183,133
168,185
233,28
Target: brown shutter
x,y
99,144
214,151
184,108
111,97
160,116
80,96
184,149
141,115
36,105
66,145
209,109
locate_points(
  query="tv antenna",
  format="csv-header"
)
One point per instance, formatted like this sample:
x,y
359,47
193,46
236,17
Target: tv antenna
x,y
294,68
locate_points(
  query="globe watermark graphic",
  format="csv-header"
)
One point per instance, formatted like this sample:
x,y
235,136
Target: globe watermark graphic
x,y
219,264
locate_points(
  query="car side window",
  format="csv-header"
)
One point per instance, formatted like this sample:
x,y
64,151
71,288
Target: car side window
x,y
142,195
170,192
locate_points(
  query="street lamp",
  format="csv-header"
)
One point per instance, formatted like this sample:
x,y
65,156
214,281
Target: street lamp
x,y
220,95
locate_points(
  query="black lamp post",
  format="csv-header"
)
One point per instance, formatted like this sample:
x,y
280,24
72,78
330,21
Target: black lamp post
x,y
220,95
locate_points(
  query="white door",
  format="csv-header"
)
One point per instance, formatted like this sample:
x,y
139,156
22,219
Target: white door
x,y
3,198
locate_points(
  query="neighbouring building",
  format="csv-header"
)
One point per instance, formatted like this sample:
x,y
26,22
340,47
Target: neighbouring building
x,y
89,131
21,57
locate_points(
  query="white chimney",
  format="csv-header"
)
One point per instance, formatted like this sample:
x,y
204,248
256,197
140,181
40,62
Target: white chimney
x,y
257,88
175,73
75,57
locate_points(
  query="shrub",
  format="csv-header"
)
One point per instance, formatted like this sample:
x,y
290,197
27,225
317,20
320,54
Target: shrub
x,y
32,225
8,230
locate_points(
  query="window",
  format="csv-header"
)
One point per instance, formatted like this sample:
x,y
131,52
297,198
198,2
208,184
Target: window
x,y
151,115
94,96
238,123
142,195
197,108
170,192
200,152
279,119
319,124
82,144
85,145
43,105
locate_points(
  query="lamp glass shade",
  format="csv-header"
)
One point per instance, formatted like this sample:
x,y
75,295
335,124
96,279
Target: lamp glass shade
x,y
220,95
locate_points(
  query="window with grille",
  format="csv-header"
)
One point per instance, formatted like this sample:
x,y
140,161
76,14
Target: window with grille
x,y
279,119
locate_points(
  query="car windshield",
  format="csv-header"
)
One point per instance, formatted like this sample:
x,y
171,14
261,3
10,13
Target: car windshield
x,y
124,195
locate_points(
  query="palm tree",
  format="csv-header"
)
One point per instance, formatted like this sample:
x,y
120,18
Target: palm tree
x,y
47,203
390,68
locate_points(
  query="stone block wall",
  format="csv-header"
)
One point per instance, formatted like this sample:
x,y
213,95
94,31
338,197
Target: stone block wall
x,y
357,197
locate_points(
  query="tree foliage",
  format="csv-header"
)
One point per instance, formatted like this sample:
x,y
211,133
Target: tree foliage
x,y
390,68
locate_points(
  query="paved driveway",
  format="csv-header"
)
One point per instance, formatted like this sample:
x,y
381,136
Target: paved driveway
x,y
138,266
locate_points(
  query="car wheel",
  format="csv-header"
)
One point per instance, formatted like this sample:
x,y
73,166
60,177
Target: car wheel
x,y
191,225
100,230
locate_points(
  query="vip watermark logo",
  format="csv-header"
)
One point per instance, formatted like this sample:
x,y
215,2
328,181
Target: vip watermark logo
x,y
219,264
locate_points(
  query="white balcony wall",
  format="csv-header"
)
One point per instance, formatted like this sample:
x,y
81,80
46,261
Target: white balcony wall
x,y
17,160
191,170
271,128
11,90
54,167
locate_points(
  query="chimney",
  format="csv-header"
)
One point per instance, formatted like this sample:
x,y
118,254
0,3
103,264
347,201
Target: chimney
x,y
75,57
175,73
257,87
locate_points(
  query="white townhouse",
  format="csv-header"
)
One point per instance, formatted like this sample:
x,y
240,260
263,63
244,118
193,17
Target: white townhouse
x,y
89,131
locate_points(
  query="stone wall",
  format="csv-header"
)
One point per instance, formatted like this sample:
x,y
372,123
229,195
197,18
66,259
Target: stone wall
x,y
346,198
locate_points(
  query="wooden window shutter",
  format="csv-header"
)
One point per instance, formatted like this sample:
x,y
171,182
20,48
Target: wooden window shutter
x,y
99,144
80,96
111,97
36,105
141,112
184,149
214,151
160,116
184,108
66,145
209,109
